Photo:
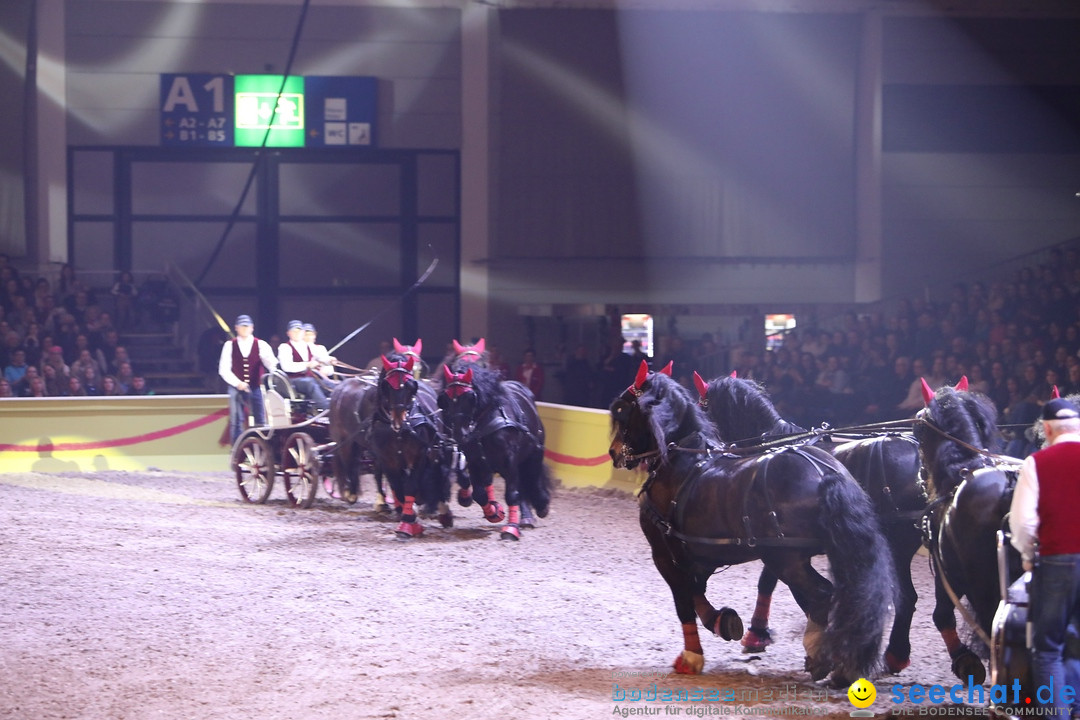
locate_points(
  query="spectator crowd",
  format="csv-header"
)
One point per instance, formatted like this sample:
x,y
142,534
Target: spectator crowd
x,y
59,342
1014,340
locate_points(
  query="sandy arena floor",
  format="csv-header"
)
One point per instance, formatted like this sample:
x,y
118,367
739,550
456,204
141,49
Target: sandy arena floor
x,y
161,595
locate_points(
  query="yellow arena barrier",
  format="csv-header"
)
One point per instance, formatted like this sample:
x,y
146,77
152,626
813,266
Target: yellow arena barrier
x,y
168,432
183,433
576,448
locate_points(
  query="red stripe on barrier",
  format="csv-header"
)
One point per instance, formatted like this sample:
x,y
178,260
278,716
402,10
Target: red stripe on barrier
x,y
119,442
571,460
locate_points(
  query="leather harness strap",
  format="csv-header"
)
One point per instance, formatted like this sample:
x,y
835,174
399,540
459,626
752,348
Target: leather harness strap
x,y
669,529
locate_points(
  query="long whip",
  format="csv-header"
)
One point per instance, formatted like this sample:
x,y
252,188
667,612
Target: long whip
x,y
418,283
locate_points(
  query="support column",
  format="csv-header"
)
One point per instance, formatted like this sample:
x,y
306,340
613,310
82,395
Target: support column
x,y
868,212
47,239
477,21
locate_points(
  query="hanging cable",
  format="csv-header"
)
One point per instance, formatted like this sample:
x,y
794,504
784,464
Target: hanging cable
x,y
262,148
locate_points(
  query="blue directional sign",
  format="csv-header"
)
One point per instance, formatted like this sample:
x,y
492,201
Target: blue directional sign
x,y
197,110
340,110
203,110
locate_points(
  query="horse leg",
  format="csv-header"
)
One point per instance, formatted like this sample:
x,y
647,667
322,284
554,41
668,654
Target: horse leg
x,y
758,637
691,661
724,623
511,530
341,461
813,593
409,527
381,490
460,471
898,651
964,661
528,520
440,482
485,490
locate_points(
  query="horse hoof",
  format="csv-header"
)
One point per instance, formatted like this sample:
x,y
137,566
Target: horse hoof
x,y
350,497
894,664
446,519
689,663
494,513
464,497
728,624
818,669
510,532
527,523
408,530
967,664
382,509
756,640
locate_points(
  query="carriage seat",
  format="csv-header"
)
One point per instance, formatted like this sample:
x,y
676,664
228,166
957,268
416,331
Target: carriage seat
x,y
284,406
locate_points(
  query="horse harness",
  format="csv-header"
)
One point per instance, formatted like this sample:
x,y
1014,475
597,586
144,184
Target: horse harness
x,y
679,543
888,511
935,517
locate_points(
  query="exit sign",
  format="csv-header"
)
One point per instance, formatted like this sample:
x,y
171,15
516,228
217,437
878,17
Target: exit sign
x,y
269,104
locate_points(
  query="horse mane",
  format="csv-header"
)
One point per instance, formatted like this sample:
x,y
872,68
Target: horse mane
x,y
969,417
487,384
743,410
673,412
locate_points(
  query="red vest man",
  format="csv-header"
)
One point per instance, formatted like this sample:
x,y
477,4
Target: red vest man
x,y
297,360
241,366
1043,513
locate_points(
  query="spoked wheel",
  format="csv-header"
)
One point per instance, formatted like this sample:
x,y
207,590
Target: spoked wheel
x,y
254,466
300,469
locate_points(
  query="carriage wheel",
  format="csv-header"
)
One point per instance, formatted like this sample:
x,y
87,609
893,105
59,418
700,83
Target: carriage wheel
x,y
300,469
254,466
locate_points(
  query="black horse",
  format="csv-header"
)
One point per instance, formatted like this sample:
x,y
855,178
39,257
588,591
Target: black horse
x,y
886,465
407,445
703,508
496,426
970,493
352,407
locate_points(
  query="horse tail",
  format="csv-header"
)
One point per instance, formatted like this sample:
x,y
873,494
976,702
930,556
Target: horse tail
x,y
536,482
863,580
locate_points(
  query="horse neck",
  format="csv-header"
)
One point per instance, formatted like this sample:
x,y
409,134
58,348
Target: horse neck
x,y
750,421
950,462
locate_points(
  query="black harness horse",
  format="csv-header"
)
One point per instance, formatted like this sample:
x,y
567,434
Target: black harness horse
x,y
703,507
352,406
885,464
406,442
970,493
497,428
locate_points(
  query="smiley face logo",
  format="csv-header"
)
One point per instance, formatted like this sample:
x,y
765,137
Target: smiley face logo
x,y
862,693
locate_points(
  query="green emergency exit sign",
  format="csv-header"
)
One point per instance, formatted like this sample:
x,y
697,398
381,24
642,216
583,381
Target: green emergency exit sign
x,y
264,104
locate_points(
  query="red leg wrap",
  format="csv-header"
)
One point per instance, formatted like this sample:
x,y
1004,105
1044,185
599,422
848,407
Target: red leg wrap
x,y
760,617
952,640
894,664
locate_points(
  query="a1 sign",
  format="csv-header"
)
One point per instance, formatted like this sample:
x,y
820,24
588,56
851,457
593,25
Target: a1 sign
x,y
197,110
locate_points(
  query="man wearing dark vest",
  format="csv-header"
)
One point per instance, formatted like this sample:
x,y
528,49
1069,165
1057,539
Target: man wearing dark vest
x,y
241,367
1043,517
298,362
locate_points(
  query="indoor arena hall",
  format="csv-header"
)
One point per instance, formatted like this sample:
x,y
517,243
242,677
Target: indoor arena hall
x,y
554,359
